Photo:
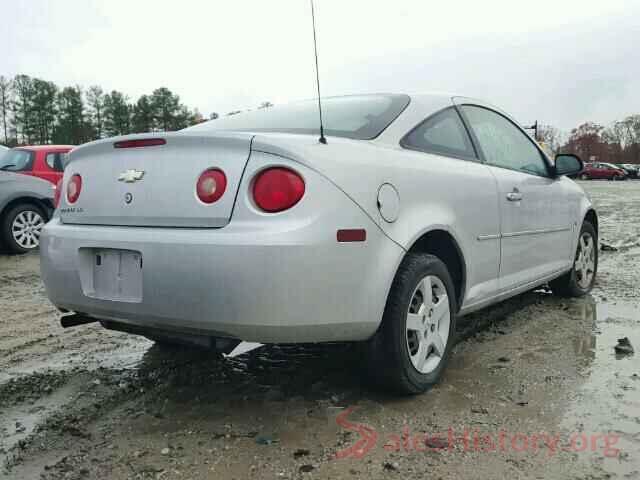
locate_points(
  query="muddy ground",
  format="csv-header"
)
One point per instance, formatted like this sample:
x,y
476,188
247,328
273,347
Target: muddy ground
x,y
89,403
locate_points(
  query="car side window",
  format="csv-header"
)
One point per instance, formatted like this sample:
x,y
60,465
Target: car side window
x,y
504,144
17,160
54,161
442,133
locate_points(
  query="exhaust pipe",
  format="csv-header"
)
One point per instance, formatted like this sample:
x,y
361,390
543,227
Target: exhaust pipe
x,y
76,319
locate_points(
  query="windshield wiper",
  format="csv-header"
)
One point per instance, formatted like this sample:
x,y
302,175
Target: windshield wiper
x,y
4,167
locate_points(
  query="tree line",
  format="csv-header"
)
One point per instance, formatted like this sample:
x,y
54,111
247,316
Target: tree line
x,y
618,142
36,111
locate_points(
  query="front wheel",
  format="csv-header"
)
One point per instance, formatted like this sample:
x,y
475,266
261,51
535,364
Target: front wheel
x,y
580,279
21,227
584,176
410,351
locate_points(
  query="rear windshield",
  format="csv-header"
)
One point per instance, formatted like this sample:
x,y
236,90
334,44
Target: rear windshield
x,y
360,117
16,160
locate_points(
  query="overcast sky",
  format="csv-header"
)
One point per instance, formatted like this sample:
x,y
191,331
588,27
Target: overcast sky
x,y
560,61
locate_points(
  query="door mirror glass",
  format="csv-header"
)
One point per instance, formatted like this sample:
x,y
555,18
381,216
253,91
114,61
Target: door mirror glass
x,y
568,164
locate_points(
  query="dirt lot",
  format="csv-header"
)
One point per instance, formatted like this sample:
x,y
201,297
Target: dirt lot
x,y
534,390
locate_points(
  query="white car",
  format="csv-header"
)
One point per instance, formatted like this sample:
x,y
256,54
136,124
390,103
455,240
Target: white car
x,y
416,211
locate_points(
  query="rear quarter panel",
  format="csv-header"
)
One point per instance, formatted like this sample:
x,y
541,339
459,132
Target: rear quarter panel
x,y
436,193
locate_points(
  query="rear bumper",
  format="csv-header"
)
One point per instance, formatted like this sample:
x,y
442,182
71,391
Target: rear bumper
x,y
290,282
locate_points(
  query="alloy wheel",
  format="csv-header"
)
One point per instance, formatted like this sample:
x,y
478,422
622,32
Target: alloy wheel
x,y
585,263
428,323
26,228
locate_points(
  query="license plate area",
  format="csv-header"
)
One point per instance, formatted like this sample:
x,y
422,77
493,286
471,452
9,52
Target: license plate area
x,y
112,274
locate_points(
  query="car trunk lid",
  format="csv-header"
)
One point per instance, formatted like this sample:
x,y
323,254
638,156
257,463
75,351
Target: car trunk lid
x,y
125,183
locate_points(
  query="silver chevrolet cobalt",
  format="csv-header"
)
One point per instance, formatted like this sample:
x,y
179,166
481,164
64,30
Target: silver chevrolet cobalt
x,y
411,212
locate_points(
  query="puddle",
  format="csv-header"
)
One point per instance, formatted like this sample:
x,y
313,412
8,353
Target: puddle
x,y
609,400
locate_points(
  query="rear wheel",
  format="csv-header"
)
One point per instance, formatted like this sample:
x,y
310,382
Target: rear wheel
x,y
21,227
580,279
410,351
584,176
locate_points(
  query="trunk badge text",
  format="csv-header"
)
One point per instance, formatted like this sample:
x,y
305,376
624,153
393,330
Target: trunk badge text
x,y
130,176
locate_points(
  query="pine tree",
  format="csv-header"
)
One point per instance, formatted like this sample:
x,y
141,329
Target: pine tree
x,y
23,108
44,110
72,127
166,108
5,107
117,114
143,115
95,102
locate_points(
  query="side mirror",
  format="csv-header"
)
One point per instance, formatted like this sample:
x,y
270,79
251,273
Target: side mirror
x,y
568,164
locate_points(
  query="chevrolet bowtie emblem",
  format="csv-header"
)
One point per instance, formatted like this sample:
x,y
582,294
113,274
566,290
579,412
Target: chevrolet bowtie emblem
x,y
130,176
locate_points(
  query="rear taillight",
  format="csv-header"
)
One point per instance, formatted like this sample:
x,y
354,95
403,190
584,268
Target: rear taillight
x,y
140,142
73,188
56,194
211,185
277,189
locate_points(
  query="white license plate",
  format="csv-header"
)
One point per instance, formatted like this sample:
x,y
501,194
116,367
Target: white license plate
x,y
117,275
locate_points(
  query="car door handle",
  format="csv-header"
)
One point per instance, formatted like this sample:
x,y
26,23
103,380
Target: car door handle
x,y
514,196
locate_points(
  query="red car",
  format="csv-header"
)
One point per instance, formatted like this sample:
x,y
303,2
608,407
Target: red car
x,y
43,161
601,170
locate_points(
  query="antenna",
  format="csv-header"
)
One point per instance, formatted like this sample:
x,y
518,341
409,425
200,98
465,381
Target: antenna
x,y
315,48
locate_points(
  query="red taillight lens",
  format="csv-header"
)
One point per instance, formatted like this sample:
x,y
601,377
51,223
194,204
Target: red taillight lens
x,y
211,185
73,188
140,142
57,194
277,189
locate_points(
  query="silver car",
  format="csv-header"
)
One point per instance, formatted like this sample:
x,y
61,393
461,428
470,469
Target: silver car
x,y
415,211
26,203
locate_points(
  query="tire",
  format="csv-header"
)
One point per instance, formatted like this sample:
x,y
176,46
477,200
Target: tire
x,y
26,218
394,353
584,176
571,284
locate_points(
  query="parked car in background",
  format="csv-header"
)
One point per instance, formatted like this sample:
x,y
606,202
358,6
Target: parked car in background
x,y
26,204
412,212
43,161
602,171
630,169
